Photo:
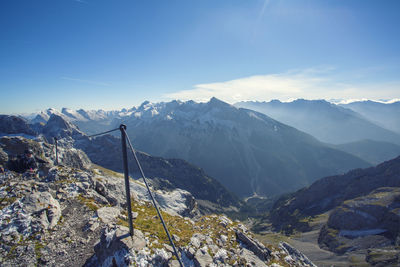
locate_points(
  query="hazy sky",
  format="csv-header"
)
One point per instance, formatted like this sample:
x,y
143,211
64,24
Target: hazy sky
x,y
111,54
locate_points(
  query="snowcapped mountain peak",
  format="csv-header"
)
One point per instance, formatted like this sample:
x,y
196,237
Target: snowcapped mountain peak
x,y
52,110
72,114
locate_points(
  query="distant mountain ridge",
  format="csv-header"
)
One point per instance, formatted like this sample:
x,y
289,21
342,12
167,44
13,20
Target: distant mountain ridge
x,y
386,115
374,152
326,121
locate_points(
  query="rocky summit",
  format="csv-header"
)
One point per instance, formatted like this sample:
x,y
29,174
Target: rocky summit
x,y
75,214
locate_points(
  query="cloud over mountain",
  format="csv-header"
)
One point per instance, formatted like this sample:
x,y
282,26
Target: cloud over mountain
x,y
312,83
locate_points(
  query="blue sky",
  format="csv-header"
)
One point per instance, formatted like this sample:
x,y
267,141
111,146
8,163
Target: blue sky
x,y
96,54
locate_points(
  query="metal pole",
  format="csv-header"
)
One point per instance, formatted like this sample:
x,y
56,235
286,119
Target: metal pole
x,y
55,141
122,127
154,201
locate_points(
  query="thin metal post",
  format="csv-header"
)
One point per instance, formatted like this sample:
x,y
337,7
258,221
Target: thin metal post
x,y
55,141
154,201
122,127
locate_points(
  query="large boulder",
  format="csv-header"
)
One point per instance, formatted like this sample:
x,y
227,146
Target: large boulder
x,y
31,214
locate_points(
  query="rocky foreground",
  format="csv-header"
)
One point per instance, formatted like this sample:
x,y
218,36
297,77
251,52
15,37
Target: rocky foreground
x,y
75,214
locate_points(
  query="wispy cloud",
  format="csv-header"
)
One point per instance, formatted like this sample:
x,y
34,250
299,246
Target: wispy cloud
x,y
313,83
262,11
259,18
85,81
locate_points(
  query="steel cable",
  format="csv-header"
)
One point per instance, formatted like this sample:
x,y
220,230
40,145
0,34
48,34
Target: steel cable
x,y
152,198
93,135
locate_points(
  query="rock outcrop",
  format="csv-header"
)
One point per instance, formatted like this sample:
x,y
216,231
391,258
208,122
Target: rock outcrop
x,y
13,146
15,125
370,221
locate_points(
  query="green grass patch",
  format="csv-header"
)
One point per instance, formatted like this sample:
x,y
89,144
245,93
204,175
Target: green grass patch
x,y
88,202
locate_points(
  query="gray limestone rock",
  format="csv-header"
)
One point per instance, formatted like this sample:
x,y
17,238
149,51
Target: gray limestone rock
x,y
108,215
250,259
296,255
202,258
34,213
114,246
259,249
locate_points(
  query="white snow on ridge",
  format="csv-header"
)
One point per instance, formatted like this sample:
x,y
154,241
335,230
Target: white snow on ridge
x,y
349,101
73,114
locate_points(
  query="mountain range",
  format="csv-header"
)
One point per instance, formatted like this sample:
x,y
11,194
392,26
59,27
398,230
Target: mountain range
x,y
188,129
332,123
383,114
248,152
